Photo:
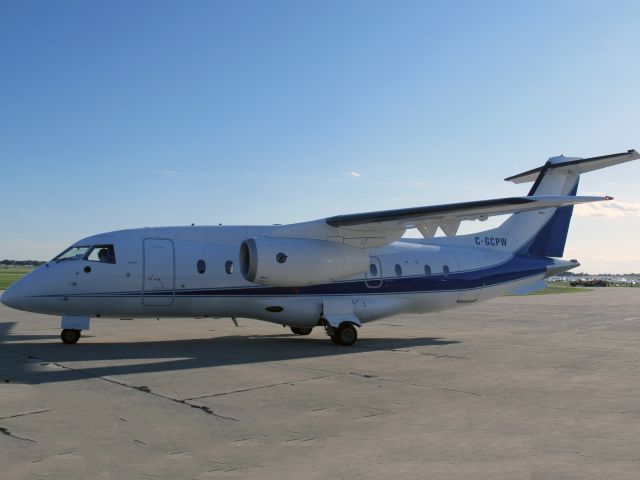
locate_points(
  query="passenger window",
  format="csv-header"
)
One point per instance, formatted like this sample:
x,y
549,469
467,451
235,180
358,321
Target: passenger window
x,y
398,269
445,270
102,254
373,269
427,270
228,267
201,266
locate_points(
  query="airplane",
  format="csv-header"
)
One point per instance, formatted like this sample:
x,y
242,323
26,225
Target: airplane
x,y
338,272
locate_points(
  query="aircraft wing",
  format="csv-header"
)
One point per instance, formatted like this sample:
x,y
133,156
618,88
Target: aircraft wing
x,y
375,229
450,215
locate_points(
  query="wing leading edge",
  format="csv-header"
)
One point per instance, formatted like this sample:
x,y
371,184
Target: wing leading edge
x,y
427,219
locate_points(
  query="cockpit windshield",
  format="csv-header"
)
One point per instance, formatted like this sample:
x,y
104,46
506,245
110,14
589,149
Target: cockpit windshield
x,y
72,253
95,253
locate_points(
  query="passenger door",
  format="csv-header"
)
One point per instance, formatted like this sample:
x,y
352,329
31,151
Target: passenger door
x,y
159,272
468,289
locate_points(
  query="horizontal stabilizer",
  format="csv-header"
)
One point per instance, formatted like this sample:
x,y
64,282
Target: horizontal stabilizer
x,y
575,165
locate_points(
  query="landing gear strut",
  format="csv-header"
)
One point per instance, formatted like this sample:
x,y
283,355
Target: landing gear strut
x,y
301,330
70,335
346,334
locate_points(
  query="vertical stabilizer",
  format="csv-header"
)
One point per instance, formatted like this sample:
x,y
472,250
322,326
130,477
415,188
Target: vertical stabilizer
x,y
544,232
551,239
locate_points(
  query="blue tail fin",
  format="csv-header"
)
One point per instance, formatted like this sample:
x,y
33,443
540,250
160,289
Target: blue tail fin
x,y
544,232
551,239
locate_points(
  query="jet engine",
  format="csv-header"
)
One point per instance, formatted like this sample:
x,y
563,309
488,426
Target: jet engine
x,y
294,262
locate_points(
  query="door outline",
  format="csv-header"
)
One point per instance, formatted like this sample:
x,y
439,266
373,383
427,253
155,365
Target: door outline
x,y
373,282
466,263
152,300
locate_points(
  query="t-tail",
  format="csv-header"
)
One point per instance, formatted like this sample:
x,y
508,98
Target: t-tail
x,y
543,233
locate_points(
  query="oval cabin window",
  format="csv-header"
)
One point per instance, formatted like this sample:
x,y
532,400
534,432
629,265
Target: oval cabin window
x,y
427,270
228,267
445,270
398,269
201,266
373,269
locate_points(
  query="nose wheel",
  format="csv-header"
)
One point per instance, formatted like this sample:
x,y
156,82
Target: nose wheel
x,y
70,336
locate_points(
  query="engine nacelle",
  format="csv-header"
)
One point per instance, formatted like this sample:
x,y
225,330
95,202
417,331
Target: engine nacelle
x,y
294,262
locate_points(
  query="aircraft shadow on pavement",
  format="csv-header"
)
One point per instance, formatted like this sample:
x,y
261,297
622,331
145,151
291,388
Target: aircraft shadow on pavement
x,y
30,359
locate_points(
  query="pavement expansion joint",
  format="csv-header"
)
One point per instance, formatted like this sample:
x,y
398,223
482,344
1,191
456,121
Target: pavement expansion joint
x,y
141,388
206,410
242,390
26,413
6,432
390,380
428,354
383,379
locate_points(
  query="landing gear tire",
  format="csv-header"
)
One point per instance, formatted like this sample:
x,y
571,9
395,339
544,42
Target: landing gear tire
x,y
346,334
70,336
302,330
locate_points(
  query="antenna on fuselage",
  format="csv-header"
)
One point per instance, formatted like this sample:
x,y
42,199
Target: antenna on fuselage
x,y
235,321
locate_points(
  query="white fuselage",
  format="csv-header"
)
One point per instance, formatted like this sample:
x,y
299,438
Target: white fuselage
x,y
194,271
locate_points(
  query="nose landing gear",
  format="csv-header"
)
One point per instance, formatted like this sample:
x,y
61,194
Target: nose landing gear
x,y
72,326
70,335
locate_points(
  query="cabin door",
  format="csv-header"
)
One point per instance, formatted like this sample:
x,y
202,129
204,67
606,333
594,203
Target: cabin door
x,y
468,283
159,272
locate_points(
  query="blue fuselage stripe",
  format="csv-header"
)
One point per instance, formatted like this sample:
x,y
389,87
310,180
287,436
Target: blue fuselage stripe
x,y
517,268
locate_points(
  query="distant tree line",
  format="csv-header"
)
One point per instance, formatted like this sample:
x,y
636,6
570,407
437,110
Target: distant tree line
x,y
589,283
22,263
580,274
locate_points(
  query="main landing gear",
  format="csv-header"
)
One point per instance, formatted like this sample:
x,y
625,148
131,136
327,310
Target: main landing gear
x,y
346,334
301,330
70,335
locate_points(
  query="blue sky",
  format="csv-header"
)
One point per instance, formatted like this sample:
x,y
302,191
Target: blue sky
x,y
126,114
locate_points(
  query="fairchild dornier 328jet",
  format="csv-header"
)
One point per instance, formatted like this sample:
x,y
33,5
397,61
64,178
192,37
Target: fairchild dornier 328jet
x,y
338,272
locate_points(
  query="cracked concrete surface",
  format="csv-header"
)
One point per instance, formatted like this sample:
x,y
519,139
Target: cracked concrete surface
x,y
519,387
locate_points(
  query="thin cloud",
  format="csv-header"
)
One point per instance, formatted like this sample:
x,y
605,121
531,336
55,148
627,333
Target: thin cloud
x,y
617,184
269,176
354,174
165,173
611,209
239,176
179,173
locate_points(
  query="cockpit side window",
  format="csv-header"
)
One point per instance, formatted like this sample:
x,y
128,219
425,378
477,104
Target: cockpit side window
x,y
72,253
102,254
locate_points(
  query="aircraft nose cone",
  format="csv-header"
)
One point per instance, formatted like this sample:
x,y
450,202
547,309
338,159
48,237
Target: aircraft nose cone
x,y
24,294
14,296
8,298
